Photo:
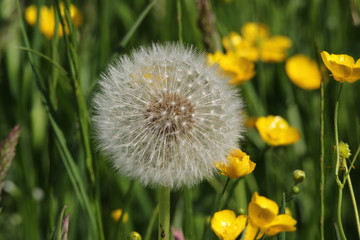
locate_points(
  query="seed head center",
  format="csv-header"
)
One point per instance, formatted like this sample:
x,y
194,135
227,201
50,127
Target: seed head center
x,y
169,114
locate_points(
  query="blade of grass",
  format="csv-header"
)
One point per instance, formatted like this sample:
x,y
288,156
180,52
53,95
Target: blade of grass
x,y
68,161
139,20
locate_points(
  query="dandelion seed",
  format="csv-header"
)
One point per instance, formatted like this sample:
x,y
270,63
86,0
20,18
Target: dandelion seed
x,y
167,132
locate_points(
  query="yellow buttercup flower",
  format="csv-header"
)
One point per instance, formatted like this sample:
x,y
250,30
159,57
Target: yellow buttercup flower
x,y
257,44
342,66
47,22
303,72
226,225
239,69
116,215
275,131
238,165
264,219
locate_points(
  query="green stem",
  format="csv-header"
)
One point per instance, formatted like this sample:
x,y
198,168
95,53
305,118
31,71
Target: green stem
x,y
337,137
341,229
179,19
353,199
216,207
340,185
164,213
151,223
189,221
322,155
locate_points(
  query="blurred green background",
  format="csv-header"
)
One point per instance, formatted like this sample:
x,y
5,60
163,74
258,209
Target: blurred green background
x,y
39,183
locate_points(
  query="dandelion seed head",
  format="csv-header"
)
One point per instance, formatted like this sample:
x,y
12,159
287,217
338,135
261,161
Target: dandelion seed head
x,y
163,116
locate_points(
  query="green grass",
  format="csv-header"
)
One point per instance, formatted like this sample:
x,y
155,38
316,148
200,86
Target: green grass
x,y
46,87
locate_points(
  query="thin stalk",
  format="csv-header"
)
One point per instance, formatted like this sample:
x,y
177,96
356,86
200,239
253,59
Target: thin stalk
x,y
337,166
353,199
337,137
339,221
322,156
150,226
282,235
179,19
164,213
128,199
189,221
216,207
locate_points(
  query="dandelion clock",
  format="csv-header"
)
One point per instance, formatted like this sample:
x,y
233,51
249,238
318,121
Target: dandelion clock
x,y
163,116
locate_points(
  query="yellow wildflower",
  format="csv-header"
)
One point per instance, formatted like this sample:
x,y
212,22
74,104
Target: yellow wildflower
x,y
256,43
116,215
342,66
239,69
47,21
275,131
239,165
264,218
303,72
226,225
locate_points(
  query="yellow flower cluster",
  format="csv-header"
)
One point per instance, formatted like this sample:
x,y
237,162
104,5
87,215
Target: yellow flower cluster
x,y
342,66
254,43
263,218
47,17
275,131
238,165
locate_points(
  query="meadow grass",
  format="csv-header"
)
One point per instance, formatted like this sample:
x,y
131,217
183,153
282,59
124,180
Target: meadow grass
x,y
46,86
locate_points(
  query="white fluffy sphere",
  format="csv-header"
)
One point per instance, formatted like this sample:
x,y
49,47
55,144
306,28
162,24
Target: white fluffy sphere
x,y
164,116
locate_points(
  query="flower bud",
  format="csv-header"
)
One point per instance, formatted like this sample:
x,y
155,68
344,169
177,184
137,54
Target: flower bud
x,y
298,176
344,150
295,189
134,236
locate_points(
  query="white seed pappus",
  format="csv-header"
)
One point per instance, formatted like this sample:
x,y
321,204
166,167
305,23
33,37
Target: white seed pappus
x,y
163,116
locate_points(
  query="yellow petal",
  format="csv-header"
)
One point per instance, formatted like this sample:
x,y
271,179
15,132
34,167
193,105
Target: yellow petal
x,y
274,49
251,231
253,31
231,41
303,72
238,69
275,131
31,14
226,225
281,223
262,211
355,74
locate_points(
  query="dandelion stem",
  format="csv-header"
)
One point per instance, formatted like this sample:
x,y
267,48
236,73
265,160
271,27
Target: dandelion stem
x,y
322,155
189,224
164,213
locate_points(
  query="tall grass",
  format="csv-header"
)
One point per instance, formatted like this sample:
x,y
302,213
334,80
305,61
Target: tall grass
x,y
46,86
